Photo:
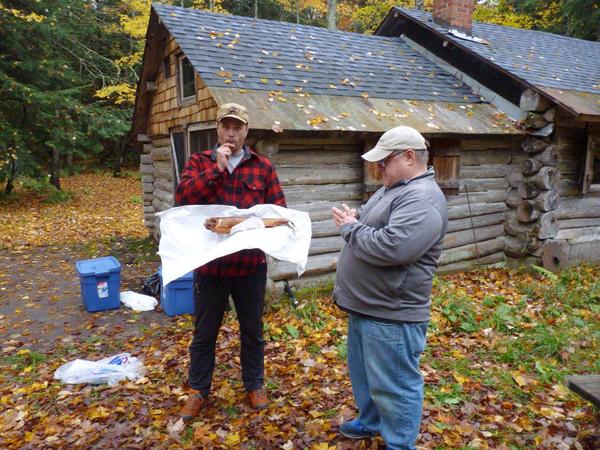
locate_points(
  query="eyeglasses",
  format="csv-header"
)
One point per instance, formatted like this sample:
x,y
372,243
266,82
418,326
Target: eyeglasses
x,y
384,162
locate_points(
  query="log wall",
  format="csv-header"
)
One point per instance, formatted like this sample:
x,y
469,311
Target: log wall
x,y
317,174
476,214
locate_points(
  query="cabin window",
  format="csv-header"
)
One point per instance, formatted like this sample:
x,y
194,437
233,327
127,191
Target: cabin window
x,y
201,139
166,67
591,168
187,80
446,164
179,154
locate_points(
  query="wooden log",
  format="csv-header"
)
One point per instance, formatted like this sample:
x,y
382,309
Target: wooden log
x,y
276,292
475,222
527,212
532,101
146,158
160,205
467,252
548,157
514,247
514,198
534,144
484,171
148,188
475,209
147,148
146,169
330,192
161,154
546,177
549,114
150,86
149,179
321,210
479,157
223,225
571,248
530,166
327,244
519,230
164,185
464,237
493,260
268,147
324,228
514,179
316,157
309,174
534,120
142,138
528,190
164,174
565,224
547,200
548,226
164,196
316,265
148,209
490,196
577,208
478,185
147,198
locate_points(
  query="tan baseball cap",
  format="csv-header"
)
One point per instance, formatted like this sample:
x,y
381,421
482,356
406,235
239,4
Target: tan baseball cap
x,y
233,110
399,138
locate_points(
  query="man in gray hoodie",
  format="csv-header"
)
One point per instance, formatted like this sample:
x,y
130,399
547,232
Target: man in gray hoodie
x,y
384,279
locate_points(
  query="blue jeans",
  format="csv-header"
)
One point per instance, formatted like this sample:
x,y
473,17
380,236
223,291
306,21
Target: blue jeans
x,y
383,361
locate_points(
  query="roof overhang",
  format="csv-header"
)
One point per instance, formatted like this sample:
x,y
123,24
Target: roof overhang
x,y
585,105
269,110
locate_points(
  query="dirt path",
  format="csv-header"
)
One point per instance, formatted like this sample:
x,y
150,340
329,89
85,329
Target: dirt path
x,y
41,304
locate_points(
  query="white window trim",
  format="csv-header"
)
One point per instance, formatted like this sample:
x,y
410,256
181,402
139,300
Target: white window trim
x,y
180,59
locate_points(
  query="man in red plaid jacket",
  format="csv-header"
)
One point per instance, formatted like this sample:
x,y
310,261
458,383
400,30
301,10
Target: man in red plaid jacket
x,y
231,174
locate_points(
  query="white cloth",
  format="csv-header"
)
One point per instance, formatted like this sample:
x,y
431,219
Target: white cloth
x,y
138,302
186,244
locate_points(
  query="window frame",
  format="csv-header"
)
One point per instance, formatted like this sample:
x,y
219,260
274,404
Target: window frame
x,y
592,152
180,84
201,126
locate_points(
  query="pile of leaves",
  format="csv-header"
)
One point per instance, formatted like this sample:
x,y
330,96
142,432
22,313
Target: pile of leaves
x,y
499,345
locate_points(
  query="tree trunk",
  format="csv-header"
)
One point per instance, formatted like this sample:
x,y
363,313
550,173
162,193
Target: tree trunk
x,y
256,9
331,14
297,12
55,168
420,4
10,182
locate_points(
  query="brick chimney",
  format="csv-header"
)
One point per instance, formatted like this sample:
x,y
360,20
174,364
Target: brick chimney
x,y
454,14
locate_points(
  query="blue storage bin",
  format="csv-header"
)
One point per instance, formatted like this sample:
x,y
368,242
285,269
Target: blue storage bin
x,y
100,280
178,296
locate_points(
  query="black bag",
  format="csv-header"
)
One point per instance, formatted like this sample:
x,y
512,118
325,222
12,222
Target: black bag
x,y
151,285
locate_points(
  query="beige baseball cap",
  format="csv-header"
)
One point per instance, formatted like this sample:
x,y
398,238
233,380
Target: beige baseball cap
x,y
399,138
233,110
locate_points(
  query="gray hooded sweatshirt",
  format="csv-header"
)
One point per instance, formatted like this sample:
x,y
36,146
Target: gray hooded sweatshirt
x,y
386,269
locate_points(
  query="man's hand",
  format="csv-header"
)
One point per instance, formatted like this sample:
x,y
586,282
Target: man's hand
x,y
343,216
223,155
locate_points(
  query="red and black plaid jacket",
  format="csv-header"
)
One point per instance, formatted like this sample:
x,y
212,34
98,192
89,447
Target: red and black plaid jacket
x,y
253,182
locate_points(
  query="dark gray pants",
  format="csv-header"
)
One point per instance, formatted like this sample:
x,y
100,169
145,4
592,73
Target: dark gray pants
x,y
211,295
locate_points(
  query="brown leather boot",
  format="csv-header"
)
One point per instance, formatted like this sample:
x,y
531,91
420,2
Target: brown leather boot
x,y
195,403
258,399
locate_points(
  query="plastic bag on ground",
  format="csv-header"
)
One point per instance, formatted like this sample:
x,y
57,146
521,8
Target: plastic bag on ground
x,y
109,370
138,302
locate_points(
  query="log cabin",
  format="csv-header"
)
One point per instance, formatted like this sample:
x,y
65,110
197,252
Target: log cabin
x,y
551,85
319,98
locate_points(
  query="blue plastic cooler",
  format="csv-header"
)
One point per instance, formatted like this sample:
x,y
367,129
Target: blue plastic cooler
x,y
100,280
178,296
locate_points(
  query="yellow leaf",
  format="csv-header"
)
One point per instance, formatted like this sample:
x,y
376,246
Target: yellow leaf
x,y
519,379
264,80
232,439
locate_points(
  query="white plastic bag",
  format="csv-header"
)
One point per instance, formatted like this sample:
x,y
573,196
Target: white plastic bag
x,y
138,302
109,370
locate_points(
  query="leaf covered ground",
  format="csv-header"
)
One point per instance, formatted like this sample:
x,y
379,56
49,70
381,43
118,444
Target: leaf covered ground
x,y
499,345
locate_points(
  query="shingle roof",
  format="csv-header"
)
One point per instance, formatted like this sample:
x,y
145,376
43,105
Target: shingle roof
x,y
245,53
540,58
